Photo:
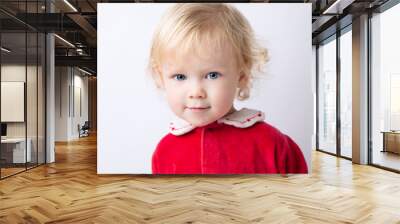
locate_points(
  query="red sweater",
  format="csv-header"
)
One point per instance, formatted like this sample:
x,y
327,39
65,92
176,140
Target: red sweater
x,y
219,148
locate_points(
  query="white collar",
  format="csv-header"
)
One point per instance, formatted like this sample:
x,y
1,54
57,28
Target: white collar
x,y
242,118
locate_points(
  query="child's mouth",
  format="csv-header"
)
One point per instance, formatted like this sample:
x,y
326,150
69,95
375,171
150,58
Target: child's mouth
x,y
198,108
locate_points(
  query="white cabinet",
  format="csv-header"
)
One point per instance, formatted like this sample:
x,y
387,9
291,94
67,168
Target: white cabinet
x,y
18,149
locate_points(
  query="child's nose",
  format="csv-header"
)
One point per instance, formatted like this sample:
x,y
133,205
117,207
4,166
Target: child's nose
x,y
197,92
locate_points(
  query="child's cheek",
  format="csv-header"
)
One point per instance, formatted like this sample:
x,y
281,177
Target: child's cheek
x,y
174,104
229,90
175,96
224,96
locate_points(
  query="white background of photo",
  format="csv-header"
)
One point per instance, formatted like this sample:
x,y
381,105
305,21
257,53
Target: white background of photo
x,y
133,115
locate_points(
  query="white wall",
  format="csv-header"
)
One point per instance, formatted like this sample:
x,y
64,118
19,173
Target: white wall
x,y
61,103
132,114
68,81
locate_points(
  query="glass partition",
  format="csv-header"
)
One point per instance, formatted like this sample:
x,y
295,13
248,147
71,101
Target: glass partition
x,y
346,94
22,78
41,111
32,95
13,104
33,72
327,96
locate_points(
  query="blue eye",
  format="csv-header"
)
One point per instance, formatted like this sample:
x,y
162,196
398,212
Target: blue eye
x,y
179,77
213,75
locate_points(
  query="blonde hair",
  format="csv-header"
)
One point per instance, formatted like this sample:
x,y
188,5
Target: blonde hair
x,y
216,23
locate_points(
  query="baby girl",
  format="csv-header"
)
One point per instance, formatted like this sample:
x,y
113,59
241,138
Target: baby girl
x,y
204,56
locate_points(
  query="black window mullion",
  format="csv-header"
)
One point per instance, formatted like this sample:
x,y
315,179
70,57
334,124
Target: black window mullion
x,y
45,92
26,86
0,95
369,90
37,89
338,92
317,96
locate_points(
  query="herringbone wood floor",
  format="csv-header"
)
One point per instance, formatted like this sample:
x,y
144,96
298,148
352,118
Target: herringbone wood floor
x,y
70,191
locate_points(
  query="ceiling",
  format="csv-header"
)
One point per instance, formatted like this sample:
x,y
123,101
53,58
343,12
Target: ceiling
x,y
76,22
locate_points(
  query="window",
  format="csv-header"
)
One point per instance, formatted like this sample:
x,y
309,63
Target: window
x,y
385,89
346,94
327,96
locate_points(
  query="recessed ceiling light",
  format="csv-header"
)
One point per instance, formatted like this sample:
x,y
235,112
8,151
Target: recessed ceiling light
x,y
70,5
5,50
337,7
84,71
64,40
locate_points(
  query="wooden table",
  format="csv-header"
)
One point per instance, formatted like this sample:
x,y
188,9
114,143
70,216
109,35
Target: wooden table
x,y
391,141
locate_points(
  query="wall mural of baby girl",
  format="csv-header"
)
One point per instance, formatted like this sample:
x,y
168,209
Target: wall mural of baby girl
x,y
204,61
